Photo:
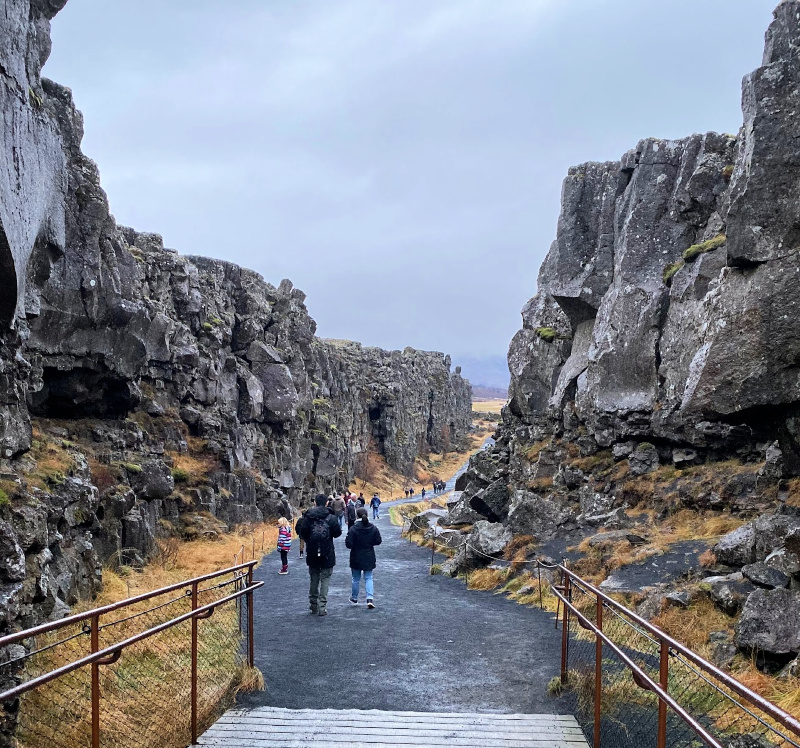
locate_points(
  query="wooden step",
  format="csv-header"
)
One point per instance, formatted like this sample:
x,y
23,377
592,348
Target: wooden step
x,y
330,728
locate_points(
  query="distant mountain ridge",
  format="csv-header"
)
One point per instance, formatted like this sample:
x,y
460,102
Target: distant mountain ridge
x,y
483,392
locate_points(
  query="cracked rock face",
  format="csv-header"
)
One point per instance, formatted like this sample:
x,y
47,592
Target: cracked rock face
x,y
126,357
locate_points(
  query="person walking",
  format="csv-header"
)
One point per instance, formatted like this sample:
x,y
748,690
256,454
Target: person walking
x,y
375,503
318,527
338,506
361,539
284,543
352,510
361,501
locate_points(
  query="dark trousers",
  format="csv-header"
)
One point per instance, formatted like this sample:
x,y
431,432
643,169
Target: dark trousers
x,y
318,588
285,558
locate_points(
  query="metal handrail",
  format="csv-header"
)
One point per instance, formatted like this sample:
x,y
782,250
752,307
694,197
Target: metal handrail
x,y
641,678
780,716
110,654
78,617
115,649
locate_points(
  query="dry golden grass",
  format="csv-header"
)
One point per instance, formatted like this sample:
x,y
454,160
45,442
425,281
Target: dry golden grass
x,y
155,670
194,467
487,579
194,558
488,406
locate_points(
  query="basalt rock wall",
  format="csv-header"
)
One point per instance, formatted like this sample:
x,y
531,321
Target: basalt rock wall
x,y
144,392
666,327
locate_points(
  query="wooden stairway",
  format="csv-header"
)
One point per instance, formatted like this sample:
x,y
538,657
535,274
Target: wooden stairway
x,y
328,728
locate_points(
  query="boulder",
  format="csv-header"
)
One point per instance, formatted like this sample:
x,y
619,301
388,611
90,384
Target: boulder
x,y
451,539
772,531
492,501
461,513
723,650
769,622
154,482
763,575
623,450
728,592
738,547
684,457
424,521
533,514
488,540
773,466
785,561
643,459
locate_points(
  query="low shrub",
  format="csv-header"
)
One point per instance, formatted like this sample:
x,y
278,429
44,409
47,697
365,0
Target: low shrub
x,y
548,334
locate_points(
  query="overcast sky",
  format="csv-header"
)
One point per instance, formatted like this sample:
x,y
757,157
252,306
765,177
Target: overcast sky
x,y
399,160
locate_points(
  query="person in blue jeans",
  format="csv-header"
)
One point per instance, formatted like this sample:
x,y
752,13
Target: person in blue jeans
x,y
375,503
361,540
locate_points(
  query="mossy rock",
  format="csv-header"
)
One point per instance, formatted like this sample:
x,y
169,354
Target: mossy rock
x,y
548,334
132,467
207,326
646,447
693,252
727,172
670,270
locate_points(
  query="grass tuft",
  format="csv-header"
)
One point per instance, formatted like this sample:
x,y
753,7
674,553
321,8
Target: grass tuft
x,y
693,252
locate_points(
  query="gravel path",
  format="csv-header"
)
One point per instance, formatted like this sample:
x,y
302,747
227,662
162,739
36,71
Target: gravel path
x,y
430,645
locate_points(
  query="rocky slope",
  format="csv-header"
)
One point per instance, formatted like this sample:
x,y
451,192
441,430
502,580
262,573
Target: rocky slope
x,y
144,392
659,362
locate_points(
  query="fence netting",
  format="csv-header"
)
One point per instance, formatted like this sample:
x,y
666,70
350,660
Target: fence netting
x,y
146,693
629,713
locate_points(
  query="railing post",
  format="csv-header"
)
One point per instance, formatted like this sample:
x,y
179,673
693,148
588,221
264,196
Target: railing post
x,y
250,648
662,707
95,647
194,665
598,673
565,631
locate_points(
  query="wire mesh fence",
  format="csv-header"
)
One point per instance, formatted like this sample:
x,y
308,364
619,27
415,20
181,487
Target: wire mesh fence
x,y
151,672
628,713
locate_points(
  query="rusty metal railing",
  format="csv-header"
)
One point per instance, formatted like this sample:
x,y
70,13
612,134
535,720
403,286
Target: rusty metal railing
x,y
138,672
687,698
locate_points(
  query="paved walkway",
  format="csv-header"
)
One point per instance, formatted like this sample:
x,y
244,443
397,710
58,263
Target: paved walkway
x,y
430,646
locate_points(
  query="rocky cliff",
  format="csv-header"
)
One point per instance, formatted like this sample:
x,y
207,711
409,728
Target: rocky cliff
x,y
659,362
144,392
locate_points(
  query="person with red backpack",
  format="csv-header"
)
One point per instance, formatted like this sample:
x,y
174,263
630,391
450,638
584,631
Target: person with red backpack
x,y
318,527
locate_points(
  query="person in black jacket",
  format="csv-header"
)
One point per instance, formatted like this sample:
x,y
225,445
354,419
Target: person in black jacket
x,y
361,540
318,527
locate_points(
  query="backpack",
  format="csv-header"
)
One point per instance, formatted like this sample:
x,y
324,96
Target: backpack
x,y
351,511
319,537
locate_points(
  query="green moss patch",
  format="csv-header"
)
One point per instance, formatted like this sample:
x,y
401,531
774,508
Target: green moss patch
x,y
693,252
670,270
548,334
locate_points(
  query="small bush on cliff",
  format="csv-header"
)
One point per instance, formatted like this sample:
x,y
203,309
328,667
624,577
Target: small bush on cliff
x,y
179,475
696,250
670,270
548,334
4,500
727,172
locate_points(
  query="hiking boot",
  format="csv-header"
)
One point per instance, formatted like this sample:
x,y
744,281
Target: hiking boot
x,y
322,613
353,601
313,610
370,604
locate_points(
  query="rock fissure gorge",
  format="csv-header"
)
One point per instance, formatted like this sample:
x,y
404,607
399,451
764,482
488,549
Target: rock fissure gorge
x,y
655,390
143,392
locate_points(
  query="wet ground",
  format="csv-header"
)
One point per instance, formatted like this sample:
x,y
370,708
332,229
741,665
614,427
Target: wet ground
x,y
431,644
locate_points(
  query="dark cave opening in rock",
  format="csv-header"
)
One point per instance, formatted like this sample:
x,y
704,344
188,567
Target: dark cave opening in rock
x,y
82,393
8,277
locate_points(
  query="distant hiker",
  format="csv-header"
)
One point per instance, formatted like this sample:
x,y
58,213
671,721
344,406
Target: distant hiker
x,y
338,506
361,501
407,493
318,527
361,540
423,493
284,543
375,503
411,491
351,514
